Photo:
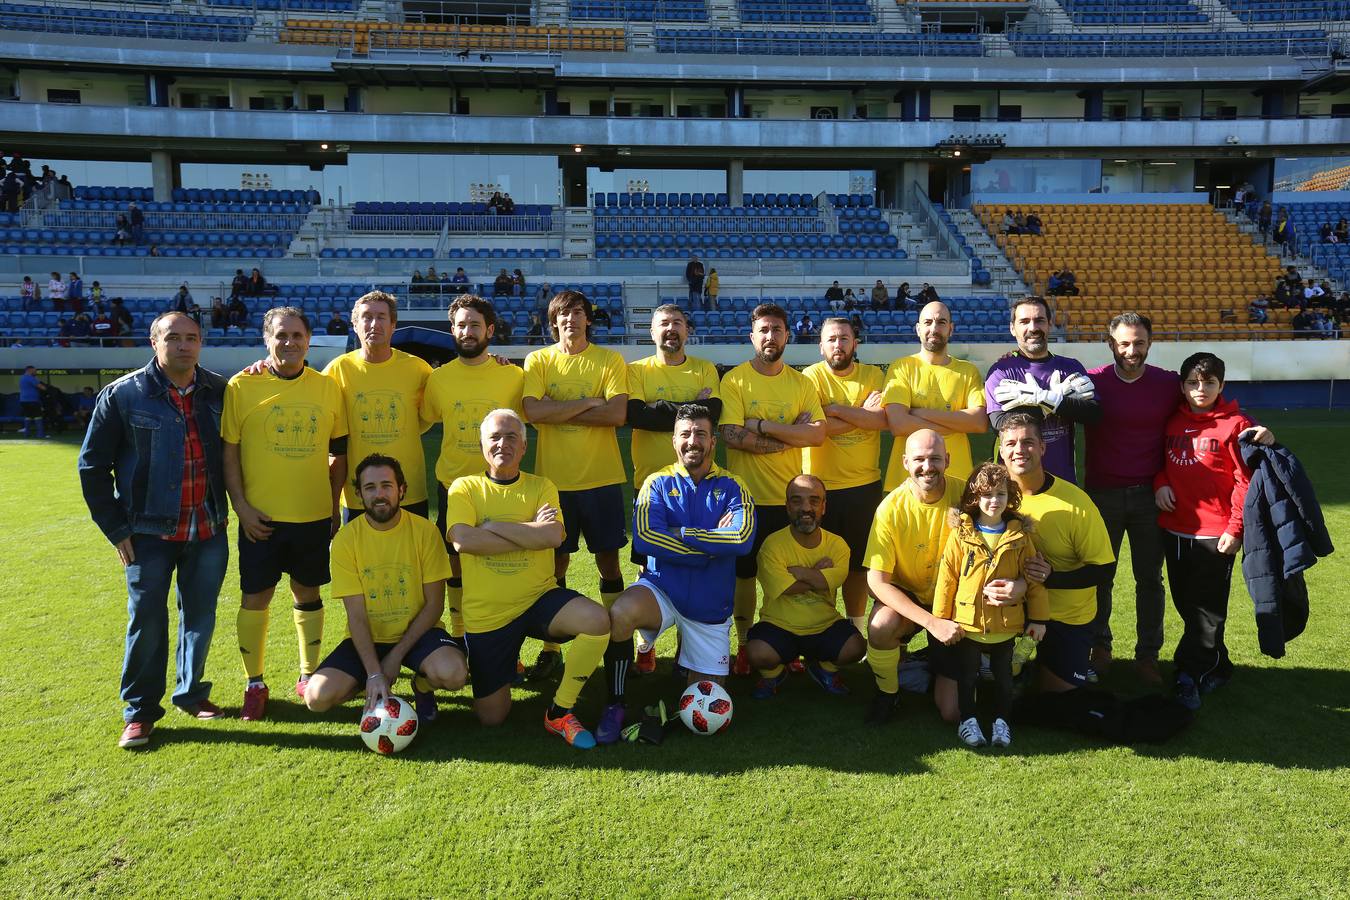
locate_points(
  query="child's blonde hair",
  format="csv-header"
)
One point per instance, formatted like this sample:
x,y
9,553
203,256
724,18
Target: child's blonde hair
x,y
987,478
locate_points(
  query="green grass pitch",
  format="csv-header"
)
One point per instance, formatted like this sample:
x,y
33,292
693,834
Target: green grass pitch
x,y
798,799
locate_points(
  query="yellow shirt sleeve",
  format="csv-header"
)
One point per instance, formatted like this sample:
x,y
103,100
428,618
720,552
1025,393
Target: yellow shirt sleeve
x,y
974,389
346,571
839,554
339,408
733,403
636,384
536,375
880,554
774,578
810,400
229,417
459,507
615,381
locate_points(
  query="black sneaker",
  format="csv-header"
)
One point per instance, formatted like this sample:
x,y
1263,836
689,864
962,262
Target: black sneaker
x,y
547,663
883,708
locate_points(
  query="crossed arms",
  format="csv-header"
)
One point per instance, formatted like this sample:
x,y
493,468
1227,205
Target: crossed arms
x,y
544,533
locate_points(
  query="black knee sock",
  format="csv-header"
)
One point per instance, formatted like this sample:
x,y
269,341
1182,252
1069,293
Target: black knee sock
x,y
618,657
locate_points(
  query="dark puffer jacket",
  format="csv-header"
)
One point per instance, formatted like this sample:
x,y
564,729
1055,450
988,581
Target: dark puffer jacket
x,y
1284,536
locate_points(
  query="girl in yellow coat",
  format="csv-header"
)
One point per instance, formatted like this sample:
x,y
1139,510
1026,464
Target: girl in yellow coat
x,y
991,543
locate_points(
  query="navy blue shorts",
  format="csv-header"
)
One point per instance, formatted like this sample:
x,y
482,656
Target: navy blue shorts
x,y
344,657
599,515
419,508
1067,651
493,654
823,645
298,549
849,513
768,519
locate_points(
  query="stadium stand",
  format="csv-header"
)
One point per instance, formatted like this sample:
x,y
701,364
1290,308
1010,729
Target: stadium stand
x,y
1310,43
362,37
816,43
132,23
453,253
1184,265
458,217
1133,12
1307,218
1276,11
810,12
640,10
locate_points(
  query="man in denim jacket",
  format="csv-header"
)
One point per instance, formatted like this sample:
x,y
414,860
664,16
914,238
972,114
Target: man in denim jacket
x,y
152,473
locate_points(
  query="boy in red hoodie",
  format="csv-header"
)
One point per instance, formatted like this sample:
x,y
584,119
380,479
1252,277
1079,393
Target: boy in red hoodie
x,y
1200,492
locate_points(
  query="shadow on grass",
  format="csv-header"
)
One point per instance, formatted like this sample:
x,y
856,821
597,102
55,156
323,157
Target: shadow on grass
x,y
1288,718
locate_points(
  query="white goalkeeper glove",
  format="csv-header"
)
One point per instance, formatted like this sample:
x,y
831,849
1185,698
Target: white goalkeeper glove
x,y
1011,394
1080,386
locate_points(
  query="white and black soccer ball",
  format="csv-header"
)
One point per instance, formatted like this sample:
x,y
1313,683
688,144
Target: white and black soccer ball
x,y
389,727
705,707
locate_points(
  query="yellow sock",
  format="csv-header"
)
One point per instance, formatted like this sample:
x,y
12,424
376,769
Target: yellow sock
x,y
886,667
831,667
585,654
420,683
744,608
252,627
309,635
454,602
551,645
772,673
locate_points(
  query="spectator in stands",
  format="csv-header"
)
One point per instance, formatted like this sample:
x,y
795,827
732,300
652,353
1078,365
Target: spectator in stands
x,y
903,298
218,314
238,284
927,295
433,280
1033,224
103,330
494,203
507,206
122,318
56,292
445,283
1342,231
501,334
1284,232
460,277
75,292
502,284
122,230
236,314
418,283
195,313
542,297
30,403
693,275
29,293
84,407
881,298
257,284
1313,294
63,332
1009,225
1326,234
1019,224
1305,324
834,295
1263,218
62,189
711,286
805,329
601,317
338,326
850,299
10,190
857,322
96,293
536,333
518,283
80,329
137,220
1053,284
1258,311
183,299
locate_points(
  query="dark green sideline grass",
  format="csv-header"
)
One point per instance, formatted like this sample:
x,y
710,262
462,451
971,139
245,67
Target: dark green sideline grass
x,y
797,799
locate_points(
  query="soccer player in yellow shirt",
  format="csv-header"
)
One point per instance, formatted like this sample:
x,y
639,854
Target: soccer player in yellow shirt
x,y
904,551
458,395
281,429
849,462
657,386
576,395
801,569
382,389
932,390
770,411
506,525
389,568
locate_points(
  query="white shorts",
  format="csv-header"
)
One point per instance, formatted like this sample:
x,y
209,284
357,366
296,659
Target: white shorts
x,y
704,648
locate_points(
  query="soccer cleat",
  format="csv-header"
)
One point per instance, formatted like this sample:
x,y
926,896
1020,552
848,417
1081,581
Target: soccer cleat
x,y
203,710
1024,651
610,728
301,685
882,708
741,665
767,687
255,703
969,732
1187,693
424,703
135,734
548,662
796,667
570,729
1000,734
646,662
830,681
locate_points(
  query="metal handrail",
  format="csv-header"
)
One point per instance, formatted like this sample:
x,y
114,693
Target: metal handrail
x,y
430,223
178,221
746,224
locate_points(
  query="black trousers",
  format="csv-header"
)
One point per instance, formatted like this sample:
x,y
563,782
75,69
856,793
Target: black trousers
x,y
1131,511
1200,577
967,654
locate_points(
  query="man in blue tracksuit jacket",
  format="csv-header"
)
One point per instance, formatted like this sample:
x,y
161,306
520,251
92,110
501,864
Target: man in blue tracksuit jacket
x,y
691,520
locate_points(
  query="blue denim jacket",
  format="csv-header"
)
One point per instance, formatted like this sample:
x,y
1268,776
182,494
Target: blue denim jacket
x,y
131,464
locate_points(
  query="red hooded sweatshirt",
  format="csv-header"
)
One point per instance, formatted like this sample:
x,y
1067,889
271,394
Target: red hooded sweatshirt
x,y
1204,469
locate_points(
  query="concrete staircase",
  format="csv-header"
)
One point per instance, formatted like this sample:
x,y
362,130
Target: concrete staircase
x,y
1219,14
578,233
1048,15
1006,280
996,45
892,16
723,14
914,238
312,236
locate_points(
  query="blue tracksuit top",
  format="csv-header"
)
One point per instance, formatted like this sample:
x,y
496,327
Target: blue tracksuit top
x,y
690,558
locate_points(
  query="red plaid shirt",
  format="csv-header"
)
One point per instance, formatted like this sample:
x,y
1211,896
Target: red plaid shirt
x,y
193,521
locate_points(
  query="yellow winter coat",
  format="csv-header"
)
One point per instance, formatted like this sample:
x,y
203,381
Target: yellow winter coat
x,y
968,565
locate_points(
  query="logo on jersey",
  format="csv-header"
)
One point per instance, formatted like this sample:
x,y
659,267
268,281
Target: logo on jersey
x,y
1187,450
379,415
293,429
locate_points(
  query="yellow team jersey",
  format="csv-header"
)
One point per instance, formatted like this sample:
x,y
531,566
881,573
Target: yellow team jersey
x,y
577,457
383,402
853,458
650,379
908,537
501,586
1070,534
283,427
746,394
460,396
811,612
921,385
389,568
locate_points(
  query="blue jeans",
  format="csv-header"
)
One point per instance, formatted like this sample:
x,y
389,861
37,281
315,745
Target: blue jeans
x,y
200,566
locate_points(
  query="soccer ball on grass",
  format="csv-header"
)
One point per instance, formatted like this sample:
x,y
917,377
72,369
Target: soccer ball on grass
x,y
705,707
389,727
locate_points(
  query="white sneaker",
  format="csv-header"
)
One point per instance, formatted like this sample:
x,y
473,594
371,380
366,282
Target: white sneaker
x,y
1002,734
969,732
